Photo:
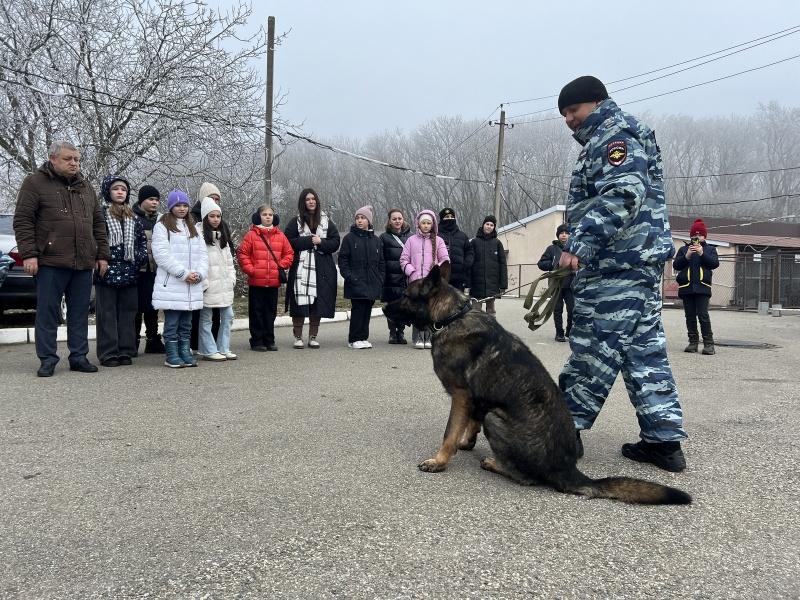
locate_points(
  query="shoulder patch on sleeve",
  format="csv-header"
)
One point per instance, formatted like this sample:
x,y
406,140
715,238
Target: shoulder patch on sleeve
x,y
617,152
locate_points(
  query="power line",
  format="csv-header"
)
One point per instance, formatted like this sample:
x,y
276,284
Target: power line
x,y
555,187
676,72
382,163
695,176
691,60
524,191
778,197
688,87
483,124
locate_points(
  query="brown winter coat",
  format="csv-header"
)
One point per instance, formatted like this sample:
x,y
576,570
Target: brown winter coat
x,y
60,222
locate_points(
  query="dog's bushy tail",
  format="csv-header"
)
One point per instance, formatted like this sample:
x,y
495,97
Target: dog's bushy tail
x,y
625,489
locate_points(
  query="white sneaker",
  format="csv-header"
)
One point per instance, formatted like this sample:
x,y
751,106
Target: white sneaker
x,y
366,344
428,345
419,345
313,343
230,355
298,343
357,345
215,357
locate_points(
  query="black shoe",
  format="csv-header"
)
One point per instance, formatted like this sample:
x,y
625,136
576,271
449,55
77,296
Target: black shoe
x,y
124,360
154,345
272,348
401,339
560,337
83,366
393,339
666,455
46,370
109,362
258,348
578,444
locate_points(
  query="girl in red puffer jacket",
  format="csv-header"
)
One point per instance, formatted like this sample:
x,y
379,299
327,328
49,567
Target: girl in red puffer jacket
x,y
263,251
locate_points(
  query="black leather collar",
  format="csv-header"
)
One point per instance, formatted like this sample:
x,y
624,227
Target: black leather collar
x,y
439,325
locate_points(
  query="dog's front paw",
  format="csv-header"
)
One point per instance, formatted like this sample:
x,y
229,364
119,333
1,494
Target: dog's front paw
x,y
432,466
489,464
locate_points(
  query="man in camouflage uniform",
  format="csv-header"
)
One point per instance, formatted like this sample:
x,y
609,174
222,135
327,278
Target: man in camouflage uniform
x,y
620,239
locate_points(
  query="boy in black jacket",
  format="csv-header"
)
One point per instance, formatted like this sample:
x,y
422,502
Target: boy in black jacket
x,y
694,263
549,262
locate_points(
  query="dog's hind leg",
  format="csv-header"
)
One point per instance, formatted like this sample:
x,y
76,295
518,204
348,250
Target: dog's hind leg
x,y
490,464
467,441
460,407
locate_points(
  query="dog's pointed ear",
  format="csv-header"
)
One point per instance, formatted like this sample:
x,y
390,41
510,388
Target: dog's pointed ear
x,y
431,282
445,270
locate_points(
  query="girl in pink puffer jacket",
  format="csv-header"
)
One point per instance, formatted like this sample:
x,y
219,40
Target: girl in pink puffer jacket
x,y
420,252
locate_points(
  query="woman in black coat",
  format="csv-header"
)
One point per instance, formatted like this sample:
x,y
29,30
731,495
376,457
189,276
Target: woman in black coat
x,y
489,272
311,290
362,267
394,283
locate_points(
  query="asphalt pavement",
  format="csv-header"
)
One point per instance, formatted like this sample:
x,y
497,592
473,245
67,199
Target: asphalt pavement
x,y
293,475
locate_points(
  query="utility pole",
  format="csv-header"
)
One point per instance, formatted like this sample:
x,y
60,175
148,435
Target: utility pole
x,y
498,173
268,132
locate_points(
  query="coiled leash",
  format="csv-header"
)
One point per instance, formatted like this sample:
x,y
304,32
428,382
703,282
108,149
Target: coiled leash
x,y
543,309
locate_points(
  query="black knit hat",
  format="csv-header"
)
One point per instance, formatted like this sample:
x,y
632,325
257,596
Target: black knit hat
x,y
563,227
445,212
147,191
489,219
582,89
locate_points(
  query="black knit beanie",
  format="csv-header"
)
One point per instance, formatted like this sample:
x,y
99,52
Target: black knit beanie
x,y
563,227
445,212
489,219
582,89
147,191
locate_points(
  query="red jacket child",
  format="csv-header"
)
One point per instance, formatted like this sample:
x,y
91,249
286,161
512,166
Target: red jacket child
x,y
256,260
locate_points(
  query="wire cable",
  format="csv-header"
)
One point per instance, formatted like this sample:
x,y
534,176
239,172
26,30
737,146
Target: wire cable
x,y
679,64
382,163
688,87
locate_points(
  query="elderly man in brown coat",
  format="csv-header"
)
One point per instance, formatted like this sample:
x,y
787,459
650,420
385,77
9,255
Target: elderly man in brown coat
x,y
61,236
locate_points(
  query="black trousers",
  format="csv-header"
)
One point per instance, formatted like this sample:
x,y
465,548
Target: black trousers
x,y
360,313
193,339
262,308
565,297
695,307
115,314
145,311
76,286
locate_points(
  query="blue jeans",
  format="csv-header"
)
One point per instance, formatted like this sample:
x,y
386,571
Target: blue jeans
x,y
207,345
76,287
177,325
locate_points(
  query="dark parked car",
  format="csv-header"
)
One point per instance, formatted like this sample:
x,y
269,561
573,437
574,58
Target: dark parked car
x,y
19,288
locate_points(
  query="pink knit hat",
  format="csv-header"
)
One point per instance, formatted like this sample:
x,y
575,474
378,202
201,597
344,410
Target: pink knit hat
x,y
366,211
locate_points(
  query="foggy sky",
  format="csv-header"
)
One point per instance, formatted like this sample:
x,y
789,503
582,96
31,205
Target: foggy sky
x,y
355,68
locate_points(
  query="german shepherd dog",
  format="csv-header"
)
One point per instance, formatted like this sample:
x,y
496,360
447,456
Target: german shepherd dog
x,y
495,382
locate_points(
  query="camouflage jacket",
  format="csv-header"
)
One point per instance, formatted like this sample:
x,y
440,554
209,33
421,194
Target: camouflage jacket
x,y
616,209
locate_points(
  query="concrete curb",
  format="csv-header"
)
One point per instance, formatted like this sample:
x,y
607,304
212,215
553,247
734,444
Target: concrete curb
x,y
26,335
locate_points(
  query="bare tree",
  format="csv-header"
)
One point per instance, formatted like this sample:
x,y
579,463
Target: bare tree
x,y
162,88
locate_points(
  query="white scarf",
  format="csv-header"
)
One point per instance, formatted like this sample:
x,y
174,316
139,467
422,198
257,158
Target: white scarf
x,y
305,282
121,233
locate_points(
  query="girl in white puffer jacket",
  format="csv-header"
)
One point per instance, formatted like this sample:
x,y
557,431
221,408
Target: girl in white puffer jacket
x,y
218,286
182,259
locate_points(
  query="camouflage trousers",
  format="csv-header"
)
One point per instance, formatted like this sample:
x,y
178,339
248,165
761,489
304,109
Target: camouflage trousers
x,y
617,327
